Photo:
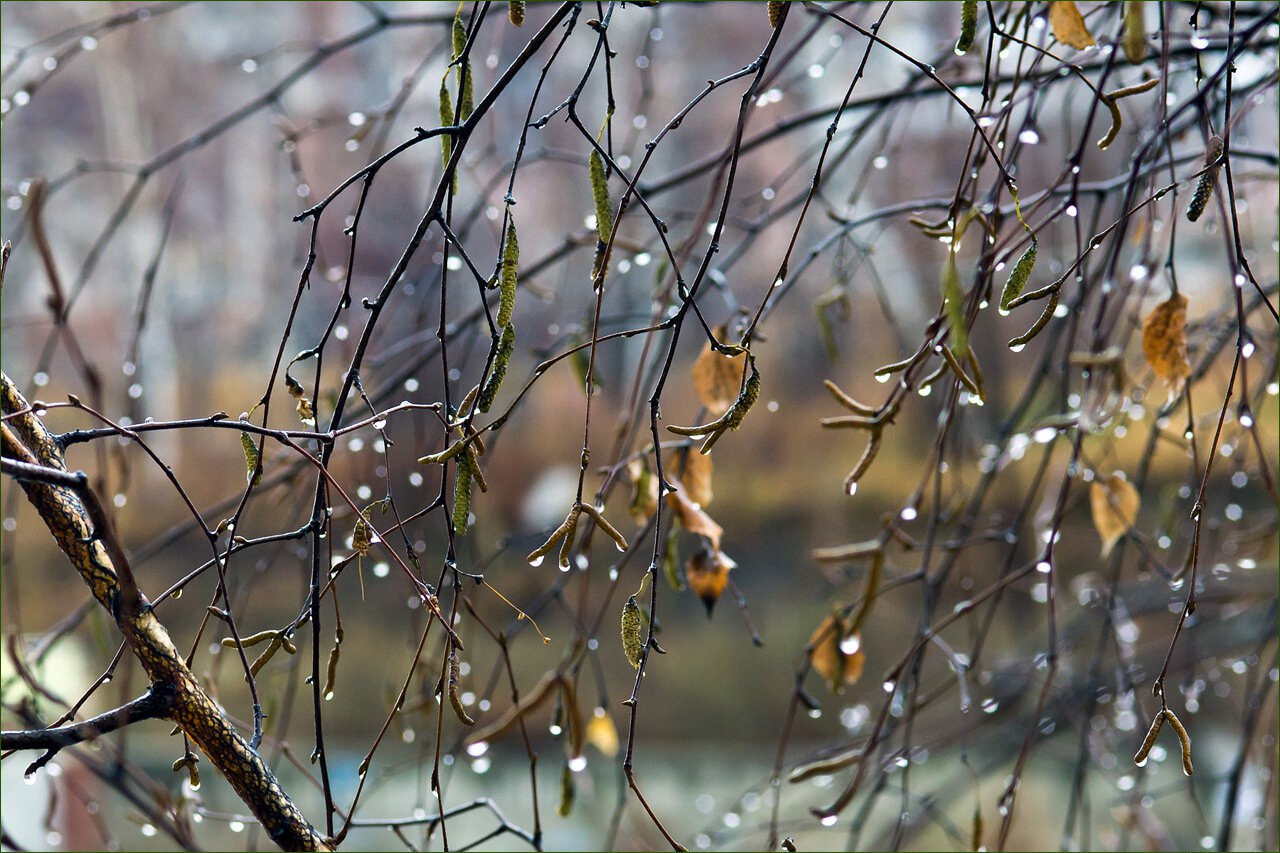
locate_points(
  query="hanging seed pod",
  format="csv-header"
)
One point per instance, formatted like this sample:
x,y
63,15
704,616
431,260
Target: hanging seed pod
x,y
1018,277
775,13
507,275
502,358
467,101
567,527
515,12
462,494
1135,31
251,640
266,656
968,26
1140,757
1209,180
1021,341
600,193
567,792
1184,741
566,543
454,701
632,635
609,530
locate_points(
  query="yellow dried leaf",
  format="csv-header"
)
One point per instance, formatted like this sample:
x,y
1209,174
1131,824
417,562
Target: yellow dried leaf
x,y
696,478
1068,25
602,733
1164,342
644,492
717,377
837,653
1115,503
707,573
693,519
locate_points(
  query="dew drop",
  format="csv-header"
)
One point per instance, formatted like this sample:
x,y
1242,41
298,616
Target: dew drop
x,y
537,561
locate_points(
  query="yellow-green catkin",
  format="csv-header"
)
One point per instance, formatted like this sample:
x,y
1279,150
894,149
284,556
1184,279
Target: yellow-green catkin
x,y
1209,180
968,25
507,275
600,193
1019,276
632,633
501,359
462,493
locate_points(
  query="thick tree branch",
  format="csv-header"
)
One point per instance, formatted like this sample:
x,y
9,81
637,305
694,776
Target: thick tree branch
x,y
74,517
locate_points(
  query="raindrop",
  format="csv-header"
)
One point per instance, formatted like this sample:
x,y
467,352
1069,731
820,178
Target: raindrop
x,y
908,513
236,826
477,749
537,561
850,644
880,162
40,379
830,820
356,119
990,706
88,43
148,830
249,66
381,570
578,763
889,686
816,71
1029,137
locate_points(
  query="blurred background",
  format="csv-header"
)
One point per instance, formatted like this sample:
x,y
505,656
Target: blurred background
x,y
165,151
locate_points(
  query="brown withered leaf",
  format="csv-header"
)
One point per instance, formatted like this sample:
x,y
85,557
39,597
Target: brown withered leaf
x,y
1115,503
717,377
693,519
602,733
644,491
837,653
1068,25
707,574
696,477
1164,342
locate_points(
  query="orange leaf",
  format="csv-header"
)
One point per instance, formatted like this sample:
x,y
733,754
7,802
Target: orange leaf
x,y
1164,342
693,519
707,573
836,653
717,377
696,477
1115,503
1068,25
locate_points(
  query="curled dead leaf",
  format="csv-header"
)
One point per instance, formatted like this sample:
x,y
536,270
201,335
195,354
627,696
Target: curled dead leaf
x,y
692,518
696,477
717,377
1164,342
836,652
1114,502
707,573
1068,25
